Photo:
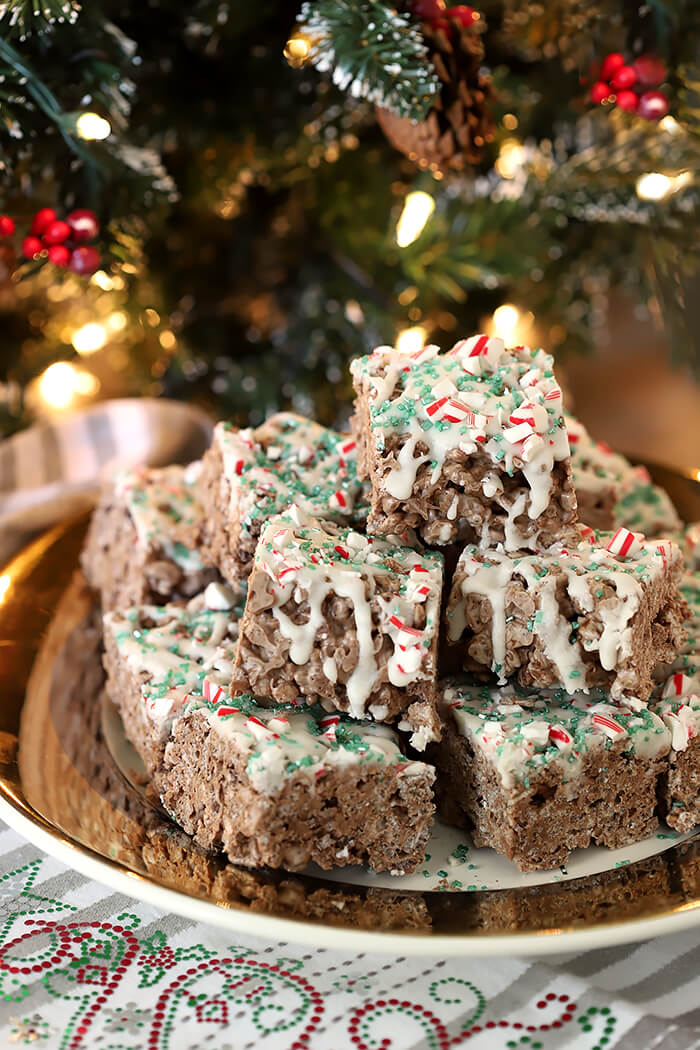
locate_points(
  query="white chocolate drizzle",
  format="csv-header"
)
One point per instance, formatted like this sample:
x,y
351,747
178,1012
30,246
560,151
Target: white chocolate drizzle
x,y
306,560
585,570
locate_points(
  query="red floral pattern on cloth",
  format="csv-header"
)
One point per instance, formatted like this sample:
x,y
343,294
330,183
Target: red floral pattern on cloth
x,y
79,970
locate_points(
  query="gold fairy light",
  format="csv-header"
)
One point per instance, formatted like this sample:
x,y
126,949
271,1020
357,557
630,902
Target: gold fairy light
x,y
417,209
510,158
655,186
92,127
505,320
89,339
61,385
297,50
411,339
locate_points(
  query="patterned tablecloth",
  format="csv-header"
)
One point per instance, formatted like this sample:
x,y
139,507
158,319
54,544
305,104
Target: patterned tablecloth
x,y
81,966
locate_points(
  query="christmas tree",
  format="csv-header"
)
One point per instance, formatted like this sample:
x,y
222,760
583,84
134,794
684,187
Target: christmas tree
x,y
225,202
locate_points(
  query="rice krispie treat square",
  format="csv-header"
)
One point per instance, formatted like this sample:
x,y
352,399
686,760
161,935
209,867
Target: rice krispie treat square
x,y
468,445
290,785
344,619
250,475
535,776
141,544
602,612
158,658
679,709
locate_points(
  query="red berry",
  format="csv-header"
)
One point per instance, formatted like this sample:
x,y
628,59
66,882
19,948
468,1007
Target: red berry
x,y
85,260
627,100
650,70
624,78
600,91
31,246
428,10
7,226
466,16
59,255
42,219
611,64
83,224
56,232
653,105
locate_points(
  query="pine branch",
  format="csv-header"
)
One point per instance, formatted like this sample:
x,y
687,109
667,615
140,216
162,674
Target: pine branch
x,y
374,52
22,18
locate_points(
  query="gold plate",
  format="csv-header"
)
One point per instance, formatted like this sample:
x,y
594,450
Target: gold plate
x,y
60,787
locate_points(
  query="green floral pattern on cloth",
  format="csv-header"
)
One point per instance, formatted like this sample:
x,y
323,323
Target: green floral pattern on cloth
x,y
81,967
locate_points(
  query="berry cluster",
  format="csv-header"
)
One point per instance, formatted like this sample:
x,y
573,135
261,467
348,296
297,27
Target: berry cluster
x,y
63,241
631,85
439,16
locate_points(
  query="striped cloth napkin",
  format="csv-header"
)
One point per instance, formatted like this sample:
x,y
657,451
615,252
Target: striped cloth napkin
x,y
54,470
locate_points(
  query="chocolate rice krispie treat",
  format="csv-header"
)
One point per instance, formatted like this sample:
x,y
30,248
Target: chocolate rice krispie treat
x,y
679,709
159,657
344,619
611,492
140,547
599,613
537,776
290,784
465,446
686,657
250,475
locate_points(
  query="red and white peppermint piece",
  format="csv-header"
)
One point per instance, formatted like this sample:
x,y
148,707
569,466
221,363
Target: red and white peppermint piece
x,y
328,726
609,726
622,543
407,635
518,433
338,501
425,353
479,354
224,710
523,414
212,692
586,532
553,395
532,445
560,736
288,572
341,551
677,685
530,378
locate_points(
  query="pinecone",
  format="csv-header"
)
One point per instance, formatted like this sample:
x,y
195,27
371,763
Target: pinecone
x,y
454,133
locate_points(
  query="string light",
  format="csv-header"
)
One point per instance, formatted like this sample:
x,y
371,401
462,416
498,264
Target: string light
x,y
102,280
90,338
117,321
510,158
297,50
411,339
92,127
61,383
417,209
5,581
669,125
655,186
505,320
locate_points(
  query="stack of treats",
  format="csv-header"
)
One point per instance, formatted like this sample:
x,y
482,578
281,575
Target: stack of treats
x,y
315,638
